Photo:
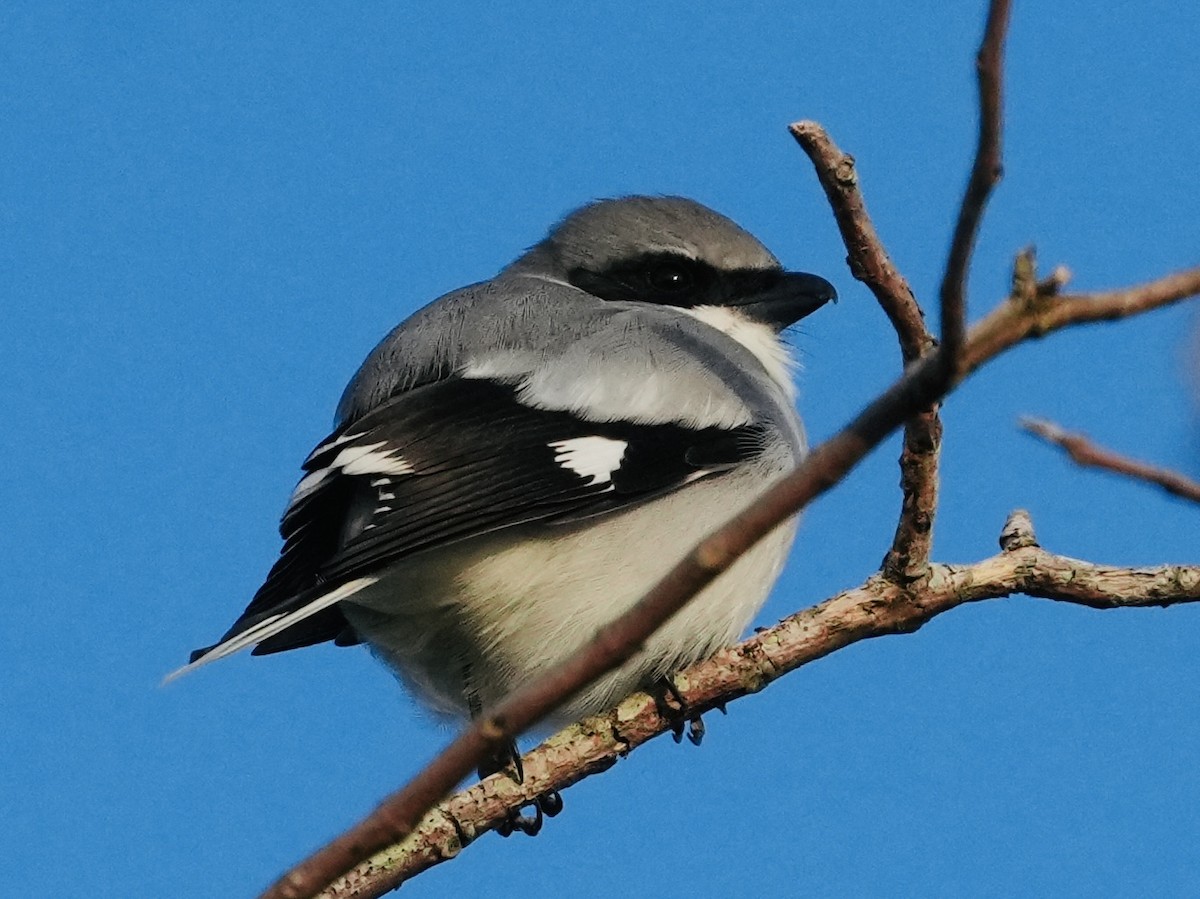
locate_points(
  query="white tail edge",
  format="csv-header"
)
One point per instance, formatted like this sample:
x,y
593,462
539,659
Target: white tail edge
x,y
269,627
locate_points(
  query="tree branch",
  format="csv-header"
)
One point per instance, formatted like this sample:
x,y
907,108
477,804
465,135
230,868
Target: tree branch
x,y
1033,311
1088,454
908,558
866,256
877,608
985,174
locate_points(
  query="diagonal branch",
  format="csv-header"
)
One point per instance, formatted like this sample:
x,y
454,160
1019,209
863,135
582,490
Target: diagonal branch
x,y
923,383
985,174
1086,453
877,608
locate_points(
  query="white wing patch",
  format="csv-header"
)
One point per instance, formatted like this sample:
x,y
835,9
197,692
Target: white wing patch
x,y
759,339
269,627
370,459
330,444
309,483
590,457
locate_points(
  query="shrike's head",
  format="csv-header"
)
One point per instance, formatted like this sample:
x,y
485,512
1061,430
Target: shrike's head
x,y
671,251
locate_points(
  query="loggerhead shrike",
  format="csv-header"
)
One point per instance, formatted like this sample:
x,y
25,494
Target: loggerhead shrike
x,y
519,461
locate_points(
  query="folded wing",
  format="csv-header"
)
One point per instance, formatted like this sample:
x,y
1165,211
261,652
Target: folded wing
x,y
447,462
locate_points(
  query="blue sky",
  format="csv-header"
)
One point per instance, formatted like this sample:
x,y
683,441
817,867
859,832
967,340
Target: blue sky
x,y
210,213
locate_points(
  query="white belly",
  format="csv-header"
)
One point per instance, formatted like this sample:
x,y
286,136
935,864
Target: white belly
x,y
470,623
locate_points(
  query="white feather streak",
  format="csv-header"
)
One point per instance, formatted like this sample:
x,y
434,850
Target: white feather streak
x,y
269,627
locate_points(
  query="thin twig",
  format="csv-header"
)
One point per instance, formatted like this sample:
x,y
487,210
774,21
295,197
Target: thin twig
x,y
1024,317
922,383
877,608
1084,452
869,262
985,174
908,558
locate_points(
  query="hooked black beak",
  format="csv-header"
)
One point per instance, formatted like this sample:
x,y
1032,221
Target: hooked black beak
x,y
789,297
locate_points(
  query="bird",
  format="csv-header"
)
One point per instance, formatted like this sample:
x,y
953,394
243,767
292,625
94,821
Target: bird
x,y
519,461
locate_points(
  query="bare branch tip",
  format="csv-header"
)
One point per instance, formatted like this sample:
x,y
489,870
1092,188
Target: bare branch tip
x,y
1025,262
1024,275
1083,451
1017,532
1053,284
811,137
1041,427
805,127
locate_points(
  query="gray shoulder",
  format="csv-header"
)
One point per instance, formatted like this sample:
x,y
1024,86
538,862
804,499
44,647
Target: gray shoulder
x,y
566,350
446,335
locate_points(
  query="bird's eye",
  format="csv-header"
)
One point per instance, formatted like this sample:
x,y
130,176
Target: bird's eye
x,y
670,278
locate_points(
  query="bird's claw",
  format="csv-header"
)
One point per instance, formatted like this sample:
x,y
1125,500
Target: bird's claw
x,y
678,715
550,803
516,821
547,805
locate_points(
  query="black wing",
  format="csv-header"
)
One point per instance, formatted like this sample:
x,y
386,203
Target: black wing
x,y
455,460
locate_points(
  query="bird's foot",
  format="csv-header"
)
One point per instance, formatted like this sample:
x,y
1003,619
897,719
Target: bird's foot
x,y
681,718
547,805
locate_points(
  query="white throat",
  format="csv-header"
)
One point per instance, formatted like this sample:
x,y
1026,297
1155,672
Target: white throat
x,y
759,339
